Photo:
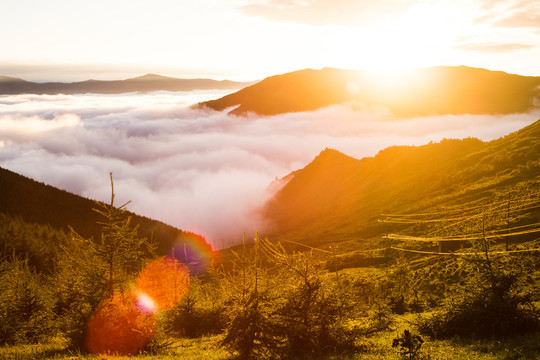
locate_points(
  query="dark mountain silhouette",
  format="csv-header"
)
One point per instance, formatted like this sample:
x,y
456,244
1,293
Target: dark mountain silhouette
x,y
146,83
428,91
338,197
37,203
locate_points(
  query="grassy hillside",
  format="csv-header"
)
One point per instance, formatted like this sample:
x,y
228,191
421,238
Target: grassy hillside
x,y
36,203
429,91
338,198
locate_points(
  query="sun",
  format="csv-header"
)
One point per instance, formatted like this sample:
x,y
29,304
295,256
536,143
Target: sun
x,y
419,37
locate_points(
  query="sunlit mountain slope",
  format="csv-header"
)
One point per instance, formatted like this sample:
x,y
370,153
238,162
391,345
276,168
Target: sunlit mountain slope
x,y
428,91
336,197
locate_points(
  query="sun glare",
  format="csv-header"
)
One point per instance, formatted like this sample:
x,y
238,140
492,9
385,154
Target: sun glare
x,y
388,75
416,38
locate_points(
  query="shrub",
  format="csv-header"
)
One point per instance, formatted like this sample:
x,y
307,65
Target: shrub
x,y
197,315
288,309
91,270
80,288
25,304
315,310
398,305
409,345
493,304
251,333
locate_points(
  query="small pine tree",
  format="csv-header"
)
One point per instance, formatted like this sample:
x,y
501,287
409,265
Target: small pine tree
x,y
202,310
409,345
80,287
91,271
119,247
315,309
251,332
25,304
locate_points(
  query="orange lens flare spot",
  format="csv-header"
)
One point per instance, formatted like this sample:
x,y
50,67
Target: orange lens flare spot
x,y
165,281
119,326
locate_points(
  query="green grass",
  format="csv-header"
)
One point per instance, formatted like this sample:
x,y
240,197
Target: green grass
x,y
377,347
183,349
523,347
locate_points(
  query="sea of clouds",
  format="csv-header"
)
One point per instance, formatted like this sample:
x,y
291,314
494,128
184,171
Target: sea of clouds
x,y
199,170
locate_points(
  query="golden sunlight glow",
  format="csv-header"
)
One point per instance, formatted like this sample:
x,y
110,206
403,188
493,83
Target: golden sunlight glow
x,y
419,37
389,75
347,34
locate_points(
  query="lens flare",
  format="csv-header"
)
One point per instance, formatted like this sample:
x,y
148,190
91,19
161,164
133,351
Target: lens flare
x,y
195,253
146,303
164,281
119,326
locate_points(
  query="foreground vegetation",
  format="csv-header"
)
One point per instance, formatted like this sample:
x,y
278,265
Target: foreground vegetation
x,y
376,347
267,300
271,303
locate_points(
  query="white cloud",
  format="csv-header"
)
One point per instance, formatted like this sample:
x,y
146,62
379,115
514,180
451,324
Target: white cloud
x,y
25,126
198,170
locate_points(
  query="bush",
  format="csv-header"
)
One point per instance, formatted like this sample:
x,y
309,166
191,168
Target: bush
x,y
202,312
91,270
288,309
315,311
195,316
80,288
398,305
25,304
409,345
493,304
119,326
251,333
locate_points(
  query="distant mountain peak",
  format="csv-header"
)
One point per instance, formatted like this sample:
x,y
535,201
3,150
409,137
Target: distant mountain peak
x,y
329,155
145,83
10,79
330,152
324,164
151,77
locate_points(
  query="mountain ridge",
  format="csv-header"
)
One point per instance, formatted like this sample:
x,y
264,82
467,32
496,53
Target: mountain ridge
x,y
144,83
421,92
337,196
39,203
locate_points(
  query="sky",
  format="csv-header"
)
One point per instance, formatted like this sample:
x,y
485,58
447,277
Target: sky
x,y
69,40
202,171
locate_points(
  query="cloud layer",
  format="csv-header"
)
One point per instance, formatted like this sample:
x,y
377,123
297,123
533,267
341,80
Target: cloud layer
x,y
202,171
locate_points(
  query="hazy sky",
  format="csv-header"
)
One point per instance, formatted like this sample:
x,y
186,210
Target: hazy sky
x,y
251,39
